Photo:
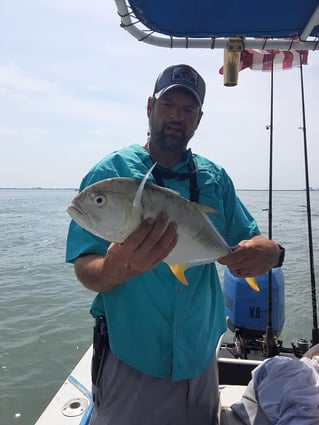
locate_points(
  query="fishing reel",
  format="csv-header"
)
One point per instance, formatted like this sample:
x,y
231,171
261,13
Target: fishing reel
x,y
301,347
253,344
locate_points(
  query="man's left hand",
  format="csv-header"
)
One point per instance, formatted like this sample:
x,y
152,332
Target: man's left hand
x,y
252,257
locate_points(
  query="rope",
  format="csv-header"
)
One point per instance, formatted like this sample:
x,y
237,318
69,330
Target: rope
x,y
87,414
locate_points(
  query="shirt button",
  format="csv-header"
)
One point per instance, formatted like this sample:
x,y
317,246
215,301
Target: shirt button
x,y
178,328
180,290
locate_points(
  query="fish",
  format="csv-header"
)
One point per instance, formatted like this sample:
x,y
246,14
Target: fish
x,y
113,208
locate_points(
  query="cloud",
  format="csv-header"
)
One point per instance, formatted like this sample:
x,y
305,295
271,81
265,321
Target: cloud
x,y
35,94
12,79
74,85
80,8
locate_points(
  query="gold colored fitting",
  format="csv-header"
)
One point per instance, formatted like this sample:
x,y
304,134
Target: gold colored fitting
x,y
232,61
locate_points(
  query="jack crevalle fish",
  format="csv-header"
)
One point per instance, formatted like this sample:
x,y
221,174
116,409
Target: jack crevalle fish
x,y
113,208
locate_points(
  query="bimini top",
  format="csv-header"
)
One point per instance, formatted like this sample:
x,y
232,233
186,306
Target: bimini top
x,y
281,24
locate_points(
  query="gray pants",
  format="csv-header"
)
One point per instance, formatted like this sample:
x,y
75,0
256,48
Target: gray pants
x,y
125,396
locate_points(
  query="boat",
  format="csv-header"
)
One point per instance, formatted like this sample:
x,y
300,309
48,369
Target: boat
x,y
73,403
289,26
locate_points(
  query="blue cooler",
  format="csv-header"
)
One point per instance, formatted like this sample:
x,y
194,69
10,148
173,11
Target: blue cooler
x,y
246,308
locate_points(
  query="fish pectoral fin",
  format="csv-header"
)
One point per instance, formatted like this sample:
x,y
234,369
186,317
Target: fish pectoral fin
x,y
137,203
252,283
178,271
174,192
205,209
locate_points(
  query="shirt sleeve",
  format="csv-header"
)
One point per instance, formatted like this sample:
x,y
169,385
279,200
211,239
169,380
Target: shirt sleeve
x,y
240,224
81,242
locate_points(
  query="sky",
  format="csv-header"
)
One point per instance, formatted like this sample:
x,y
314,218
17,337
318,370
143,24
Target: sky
x,y
74,87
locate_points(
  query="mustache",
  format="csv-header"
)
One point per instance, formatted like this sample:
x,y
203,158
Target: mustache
x,y
174,124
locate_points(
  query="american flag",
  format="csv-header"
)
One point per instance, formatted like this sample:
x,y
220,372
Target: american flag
x,y
260,60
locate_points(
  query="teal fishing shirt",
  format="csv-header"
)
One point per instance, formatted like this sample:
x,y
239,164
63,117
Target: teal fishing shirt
x,y
156,324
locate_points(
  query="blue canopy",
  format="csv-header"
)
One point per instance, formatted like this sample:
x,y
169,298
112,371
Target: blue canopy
x,y
218,18
215,19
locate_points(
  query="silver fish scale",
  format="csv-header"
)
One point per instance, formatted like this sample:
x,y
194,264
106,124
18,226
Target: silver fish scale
x,y
198,240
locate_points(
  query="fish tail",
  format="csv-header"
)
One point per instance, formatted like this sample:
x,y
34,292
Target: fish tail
x,y
178,271
252,283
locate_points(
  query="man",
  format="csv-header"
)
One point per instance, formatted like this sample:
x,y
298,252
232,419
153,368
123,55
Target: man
x,y
157,364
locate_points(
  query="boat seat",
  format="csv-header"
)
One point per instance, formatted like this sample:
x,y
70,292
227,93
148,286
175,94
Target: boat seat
x,y
230,394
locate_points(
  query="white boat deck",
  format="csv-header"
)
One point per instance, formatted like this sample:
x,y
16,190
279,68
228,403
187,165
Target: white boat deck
x,y
228,395
72,404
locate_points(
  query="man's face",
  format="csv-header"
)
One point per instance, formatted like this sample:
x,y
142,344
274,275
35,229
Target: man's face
x,y
173,119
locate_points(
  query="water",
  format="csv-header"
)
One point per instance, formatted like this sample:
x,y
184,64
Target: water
x,y
44,320
45,325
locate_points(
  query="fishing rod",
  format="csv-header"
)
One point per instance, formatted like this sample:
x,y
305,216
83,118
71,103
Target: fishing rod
x,y
315,330
271,348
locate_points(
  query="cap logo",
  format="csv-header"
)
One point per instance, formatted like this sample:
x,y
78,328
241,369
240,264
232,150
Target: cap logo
x,y
186,74
180,76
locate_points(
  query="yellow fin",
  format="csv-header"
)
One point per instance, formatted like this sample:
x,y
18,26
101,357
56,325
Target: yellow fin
x,y
178,271
252,283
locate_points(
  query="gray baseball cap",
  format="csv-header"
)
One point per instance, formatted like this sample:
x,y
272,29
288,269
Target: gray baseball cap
x,y
180,76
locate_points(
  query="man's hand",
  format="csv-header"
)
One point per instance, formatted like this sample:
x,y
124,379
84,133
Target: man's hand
x,y
252,257
146,247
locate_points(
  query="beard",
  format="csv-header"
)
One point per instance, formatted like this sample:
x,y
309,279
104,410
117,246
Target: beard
x,y
170,137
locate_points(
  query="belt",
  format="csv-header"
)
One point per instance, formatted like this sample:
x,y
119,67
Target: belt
x,y
100,325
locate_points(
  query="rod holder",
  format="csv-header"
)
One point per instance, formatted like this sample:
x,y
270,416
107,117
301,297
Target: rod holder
x,y
232,61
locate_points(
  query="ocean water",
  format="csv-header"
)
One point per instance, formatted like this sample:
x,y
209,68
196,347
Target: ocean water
x,y
45,326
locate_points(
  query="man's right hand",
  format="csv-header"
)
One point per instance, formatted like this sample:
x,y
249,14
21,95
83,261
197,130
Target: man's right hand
x,y
143,249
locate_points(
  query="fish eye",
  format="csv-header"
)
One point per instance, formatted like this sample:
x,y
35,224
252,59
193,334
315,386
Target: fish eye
x,y
99,200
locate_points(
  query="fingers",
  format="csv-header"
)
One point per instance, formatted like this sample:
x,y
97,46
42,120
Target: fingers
x,y
150,243
159,235
244,262
159,241
149,229
137,237
235,257
165,244
251,257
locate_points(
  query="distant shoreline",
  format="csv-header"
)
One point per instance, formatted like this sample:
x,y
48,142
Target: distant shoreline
x,y
39,188
76,189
